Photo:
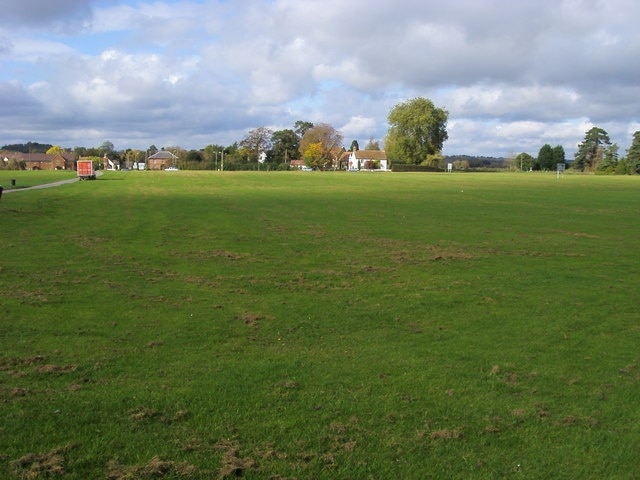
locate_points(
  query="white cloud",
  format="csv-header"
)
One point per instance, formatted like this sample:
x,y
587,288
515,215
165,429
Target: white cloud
x,y
43,12
35,50
513,75
359,127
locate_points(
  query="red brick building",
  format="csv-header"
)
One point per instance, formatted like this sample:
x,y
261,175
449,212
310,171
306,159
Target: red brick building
x,y
41,161
161,160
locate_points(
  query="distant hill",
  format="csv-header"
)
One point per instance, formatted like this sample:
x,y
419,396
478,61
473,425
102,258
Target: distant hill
x,y
478,162
29,147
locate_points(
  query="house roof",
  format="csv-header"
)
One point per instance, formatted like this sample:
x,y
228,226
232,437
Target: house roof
x,y
337,152
163,155
366,154
38,157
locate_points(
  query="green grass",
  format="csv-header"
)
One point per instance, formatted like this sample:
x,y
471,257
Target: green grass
x,y
321,326
24,178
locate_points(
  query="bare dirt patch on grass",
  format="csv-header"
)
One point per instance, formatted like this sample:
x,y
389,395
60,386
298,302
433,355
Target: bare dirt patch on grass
x,y
253,319
56,369
29,297
444,434
13,366
19,392
343,436
206,255
576,421
285,388
232,463
506,377
142,414
19,367
87,242
155,468
404,253
580,235
632,371
34,466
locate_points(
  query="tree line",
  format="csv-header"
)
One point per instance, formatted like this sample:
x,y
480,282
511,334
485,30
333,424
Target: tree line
x,y
596,154
416,134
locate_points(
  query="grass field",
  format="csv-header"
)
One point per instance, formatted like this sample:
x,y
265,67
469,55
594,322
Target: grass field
x,y
23,178
321,326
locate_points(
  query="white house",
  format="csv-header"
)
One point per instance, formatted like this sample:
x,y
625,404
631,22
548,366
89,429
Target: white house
x,y
365,160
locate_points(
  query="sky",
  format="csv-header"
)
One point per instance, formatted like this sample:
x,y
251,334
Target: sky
x,y
513,74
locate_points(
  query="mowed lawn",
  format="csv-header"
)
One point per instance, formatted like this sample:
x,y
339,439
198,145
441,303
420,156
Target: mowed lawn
x,y
16,180
317,325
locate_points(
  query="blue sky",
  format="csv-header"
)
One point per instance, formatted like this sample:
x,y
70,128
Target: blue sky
x,y
513,75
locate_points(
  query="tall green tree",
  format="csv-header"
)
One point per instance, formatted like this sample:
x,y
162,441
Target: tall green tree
x,y
633,154
213,156
591,150
301,127
609,160
29,147
106,147
152,150
545,157
558,155
193,158
417,131
523,162
621,167
285,144
354,147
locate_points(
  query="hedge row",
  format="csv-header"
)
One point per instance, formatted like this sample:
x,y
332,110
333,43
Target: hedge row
x,y
405,167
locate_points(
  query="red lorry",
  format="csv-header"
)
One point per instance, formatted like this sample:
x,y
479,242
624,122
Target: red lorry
x,y
85,170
